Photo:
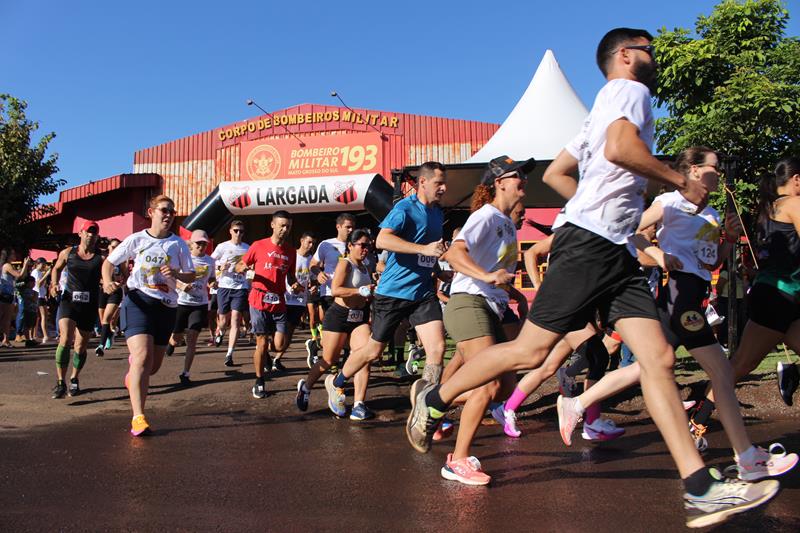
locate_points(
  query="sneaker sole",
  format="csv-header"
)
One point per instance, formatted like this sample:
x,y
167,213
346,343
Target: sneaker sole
x,y
452,476
143,433
599,437
409,422
566,437
720,516
300,384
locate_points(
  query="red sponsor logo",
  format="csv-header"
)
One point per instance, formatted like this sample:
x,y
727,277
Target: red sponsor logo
x,y
240,198
345,193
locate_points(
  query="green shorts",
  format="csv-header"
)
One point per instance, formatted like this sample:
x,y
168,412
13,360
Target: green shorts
x,y
468,316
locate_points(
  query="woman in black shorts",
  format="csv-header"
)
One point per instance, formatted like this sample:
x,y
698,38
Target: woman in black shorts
x,y
108,304
347,316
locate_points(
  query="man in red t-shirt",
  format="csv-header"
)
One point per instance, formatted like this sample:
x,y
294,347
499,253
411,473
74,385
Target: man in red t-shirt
x,y
273,263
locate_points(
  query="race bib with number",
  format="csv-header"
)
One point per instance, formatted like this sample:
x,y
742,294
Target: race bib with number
x,y
270,298
80,297
355,315
426,261
706,252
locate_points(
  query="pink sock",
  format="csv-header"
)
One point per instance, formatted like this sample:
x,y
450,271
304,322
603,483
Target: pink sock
x,y
592,413
516,399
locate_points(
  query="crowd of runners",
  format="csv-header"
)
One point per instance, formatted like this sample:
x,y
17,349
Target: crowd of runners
x,y
366,289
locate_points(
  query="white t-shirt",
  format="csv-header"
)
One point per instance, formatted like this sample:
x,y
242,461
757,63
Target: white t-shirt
x,y
230,253
491,239
37,275
198,292
328,253
610,200
692,238
303,275
149,254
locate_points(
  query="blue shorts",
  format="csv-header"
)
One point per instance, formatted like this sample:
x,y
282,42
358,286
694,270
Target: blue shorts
x,y
140,314
266,323
235,299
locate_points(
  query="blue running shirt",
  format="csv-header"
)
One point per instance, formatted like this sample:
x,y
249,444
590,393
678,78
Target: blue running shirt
x,y
408,276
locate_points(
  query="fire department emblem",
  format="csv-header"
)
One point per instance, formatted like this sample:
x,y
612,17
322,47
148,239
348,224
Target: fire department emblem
x,y
240,198
345,192
264,162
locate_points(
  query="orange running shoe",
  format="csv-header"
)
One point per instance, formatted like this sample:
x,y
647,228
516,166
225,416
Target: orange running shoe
x,y
139,426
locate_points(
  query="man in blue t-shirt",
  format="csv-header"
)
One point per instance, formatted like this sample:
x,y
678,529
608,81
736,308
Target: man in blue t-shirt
x,y
412,234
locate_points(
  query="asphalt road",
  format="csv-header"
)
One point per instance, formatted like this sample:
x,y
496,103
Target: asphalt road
x,y
221,460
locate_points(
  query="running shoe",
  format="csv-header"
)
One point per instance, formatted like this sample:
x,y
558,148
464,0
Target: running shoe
x,y
688,404
568,418
170,350
218,339
508,419
788,380
301,400
98,352
420,425
361,412
260,390
139,426
74,387
229,359
602,429
277,366
766,463
60,390
311,352
444,431
698,432
415,353
336,397
467,471
184,378
725,498
109,343
566,384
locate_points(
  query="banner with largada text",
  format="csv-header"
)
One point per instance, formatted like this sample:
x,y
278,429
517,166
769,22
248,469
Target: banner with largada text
x,y
324,155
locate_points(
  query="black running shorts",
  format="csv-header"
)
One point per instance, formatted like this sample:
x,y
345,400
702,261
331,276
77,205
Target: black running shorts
x,y
388,312
191,317
84,314
680,305
772,308
340,319
589,275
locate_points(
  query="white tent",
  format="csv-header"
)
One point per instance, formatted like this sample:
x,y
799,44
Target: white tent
x,y
548,115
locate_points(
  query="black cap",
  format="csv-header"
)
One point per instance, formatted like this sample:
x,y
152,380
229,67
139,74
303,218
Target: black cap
x,y
502,165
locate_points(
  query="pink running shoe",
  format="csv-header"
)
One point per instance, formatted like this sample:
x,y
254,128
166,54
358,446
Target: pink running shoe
x,y
508,419
688,404
767,463
568,418
602,429
467,471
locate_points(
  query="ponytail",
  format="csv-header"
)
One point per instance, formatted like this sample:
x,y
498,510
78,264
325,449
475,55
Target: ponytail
x,y
768,188
483,195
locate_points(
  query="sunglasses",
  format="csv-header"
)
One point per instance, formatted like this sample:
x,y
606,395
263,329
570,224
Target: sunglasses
x,y
238,230
649,48
166,210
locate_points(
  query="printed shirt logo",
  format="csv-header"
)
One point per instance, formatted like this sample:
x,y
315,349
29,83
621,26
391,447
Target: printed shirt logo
x,y
264,162
345,193
692,321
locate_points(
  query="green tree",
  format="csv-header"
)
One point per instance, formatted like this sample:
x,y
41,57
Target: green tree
x,y
734,86
26,174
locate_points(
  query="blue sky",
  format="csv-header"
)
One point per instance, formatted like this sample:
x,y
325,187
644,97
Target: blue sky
x,y
113,77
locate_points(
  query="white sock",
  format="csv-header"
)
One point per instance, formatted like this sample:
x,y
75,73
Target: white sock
x,y
304,387
579,406
748,455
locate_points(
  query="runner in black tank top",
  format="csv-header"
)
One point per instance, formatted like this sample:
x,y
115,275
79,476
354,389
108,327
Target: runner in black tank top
x,y
78,304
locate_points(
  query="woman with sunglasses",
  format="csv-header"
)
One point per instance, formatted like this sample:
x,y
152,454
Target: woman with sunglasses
x,y
192,315
147,316
347,316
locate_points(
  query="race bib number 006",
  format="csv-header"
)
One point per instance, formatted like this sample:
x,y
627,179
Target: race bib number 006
x,y
426,261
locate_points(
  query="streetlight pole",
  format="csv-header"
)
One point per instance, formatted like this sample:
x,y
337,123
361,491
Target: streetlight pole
x,y
731,166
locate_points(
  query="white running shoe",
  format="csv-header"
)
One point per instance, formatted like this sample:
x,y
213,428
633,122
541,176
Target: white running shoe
x,y
724,498
601,430
766,463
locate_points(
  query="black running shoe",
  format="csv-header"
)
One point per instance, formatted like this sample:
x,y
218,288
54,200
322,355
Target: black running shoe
x,y
185,381
788,380
170,350
229,360
277,366
99,351
218,339
259,390
60,390
74,388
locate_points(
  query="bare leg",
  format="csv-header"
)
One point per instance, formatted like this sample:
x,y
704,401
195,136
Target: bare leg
x,y
359,337
366,354
431,335
191,349
81,341
332,344
66,338
478,401
233,333
260,355
141,363
656,358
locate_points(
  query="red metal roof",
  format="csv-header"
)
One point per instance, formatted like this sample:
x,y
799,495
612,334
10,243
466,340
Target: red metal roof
x,y
94,188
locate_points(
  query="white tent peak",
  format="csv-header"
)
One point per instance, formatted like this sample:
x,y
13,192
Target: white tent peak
x,y
545,119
